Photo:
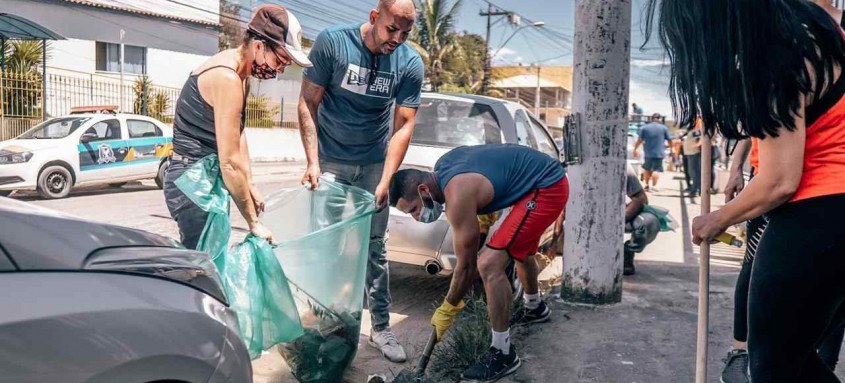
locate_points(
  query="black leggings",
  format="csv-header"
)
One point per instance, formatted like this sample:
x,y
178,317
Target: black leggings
x,y
832,343
754,231
797,287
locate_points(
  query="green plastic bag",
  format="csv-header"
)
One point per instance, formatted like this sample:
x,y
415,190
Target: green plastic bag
x,y
255,284
324,238
667,222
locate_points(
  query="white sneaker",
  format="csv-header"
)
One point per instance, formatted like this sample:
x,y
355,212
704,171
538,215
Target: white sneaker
x,y
389,346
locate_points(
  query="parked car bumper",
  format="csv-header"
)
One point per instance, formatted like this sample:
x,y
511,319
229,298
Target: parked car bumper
x,y
18,176
427,245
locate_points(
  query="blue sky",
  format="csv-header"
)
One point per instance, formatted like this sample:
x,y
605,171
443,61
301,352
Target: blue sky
x,y
649,78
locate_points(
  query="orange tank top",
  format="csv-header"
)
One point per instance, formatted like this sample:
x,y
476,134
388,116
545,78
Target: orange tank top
x,y
824,150
754,156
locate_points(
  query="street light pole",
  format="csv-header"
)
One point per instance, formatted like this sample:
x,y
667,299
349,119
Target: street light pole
x,y
120,104
485,82
538,24
537,94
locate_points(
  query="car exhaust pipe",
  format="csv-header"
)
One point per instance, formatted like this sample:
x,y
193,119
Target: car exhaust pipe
x,y
433,267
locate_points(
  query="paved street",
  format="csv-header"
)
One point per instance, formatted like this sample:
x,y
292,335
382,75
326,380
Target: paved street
x,y
615,343
141,205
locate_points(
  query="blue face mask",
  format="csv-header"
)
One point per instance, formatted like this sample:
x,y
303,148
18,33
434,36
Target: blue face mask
x,y
430,214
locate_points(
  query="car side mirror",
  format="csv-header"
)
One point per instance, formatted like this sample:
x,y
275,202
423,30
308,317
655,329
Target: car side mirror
x,y
88,137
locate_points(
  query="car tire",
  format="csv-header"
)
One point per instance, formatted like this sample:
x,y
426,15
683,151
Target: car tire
x,y
162,169
54,182
117,184
6,193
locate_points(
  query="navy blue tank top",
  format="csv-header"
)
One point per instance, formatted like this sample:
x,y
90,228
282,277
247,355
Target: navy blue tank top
x,y
194,133
514,170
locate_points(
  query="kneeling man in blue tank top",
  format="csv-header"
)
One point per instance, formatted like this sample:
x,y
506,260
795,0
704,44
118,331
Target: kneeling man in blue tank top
x,y
473,180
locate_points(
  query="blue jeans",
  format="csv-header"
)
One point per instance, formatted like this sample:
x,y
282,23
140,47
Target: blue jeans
x,y
644,229
367,177
694,162
189,217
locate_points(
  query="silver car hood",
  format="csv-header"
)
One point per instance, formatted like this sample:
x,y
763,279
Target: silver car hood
x,y
37,238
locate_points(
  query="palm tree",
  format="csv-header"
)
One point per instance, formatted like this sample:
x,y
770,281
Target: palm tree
x,y
435,23
22,55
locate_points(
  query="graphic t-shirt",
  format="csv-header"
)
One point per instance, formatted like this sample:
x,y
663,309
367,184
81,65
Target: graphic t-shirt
x,y
355,115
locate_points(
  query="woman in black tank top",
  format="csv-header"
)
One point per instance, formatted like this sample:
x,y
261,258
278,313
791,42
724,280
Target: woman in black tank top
x,y
209,118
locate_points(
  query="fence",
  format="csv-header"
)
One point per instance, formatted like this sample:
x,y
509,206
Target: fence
x,y
21,97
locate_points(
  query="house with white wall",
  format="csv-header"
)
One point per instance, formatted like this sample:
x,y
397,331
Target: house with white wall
x,y
163,39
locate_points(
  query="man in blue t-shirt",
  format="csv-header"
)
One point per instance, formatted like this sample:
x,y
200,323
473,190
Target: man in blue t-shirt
x,y
365,84
656,138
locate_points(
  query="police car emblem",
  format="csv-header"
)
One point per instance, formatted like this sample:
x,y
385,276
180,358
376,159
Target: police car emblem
x,y
106,155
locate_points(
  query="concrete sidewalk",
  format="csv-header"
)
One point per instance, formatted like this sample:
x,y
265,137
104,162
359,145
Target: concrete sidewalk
x,y
651,335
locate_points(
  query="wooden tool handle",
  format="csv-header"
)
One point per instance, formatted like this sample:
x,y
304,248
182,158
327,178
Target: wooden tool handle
x,y
429,347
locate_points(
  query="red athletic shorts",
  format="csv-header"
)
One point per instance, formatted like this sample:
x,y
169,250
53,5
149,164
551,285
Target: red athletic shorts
x,y
528,219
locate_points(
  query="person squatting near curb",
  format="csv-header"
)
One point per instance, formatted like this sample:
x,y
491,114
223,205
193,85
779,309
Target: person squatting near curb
x,y
642,225
360,73
210,114
772,69
473,180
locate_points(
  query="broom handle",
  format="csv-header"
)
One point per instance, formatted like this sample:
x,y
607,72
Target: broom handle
x,y
704,266
429,347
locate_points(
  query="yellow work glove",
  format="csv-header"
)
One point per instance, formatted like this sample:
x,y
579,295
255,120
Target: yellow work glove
x,y
444,316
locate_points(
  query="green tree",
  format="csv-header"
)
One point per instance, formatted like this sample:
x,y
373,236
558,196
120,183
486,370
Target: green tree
x,y
150,101
435,24
22,83
463,70
260,112
142,88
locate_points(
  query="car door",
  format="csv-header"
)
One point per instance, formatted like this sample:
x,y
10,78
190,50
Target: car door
x,y
102,151
146,147
543,140
524,133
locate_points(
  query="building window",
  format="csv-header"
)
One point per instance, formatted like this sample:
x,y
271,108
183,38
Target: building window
x,y
108,58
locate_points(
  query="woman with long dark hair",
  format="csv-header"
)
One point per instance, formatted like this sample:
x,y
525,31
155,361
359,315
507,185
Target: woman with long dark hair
x,y
772,69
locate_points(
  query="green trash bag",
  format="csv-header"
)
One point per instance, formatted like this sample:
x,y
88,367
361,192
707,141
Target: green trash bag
x,y
324,238
667,222
253,279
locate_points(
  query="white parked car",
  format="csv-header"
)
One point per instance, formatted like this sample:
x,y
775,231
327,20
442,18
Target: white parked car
x,y
89,146
445,122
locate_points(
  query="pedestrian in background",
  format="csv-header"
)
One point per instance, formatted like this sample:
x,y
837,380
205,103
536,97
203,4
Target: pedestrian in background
x,y
692,154
209,117
771,69
655,137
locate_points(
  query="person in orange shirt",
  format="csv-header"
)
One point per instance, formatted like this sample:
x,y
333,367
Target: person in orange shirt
x,y
772,69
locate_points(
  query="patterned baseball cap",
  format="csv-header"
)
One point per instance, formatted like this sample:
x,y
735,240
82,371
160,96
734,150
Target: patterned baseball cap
x,y
279,26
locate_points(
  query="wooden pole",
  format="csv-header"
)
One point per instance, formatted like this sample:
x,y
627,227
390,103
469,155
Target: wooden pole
x,y
704,266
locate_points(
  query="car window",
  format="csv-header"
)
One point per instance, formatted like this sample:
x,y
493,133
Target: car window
x,y
55,128
544,142
139,129
105,130
453,123
523,130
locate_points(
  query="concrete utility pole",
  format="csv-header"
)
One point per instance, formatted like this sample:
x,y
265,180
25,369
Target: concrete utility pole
x,y
485,82
592,268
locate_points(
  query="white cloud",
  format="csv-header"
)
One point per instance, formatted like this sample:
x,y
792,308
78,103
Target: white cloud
x,y
505,52
652,99
649,63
